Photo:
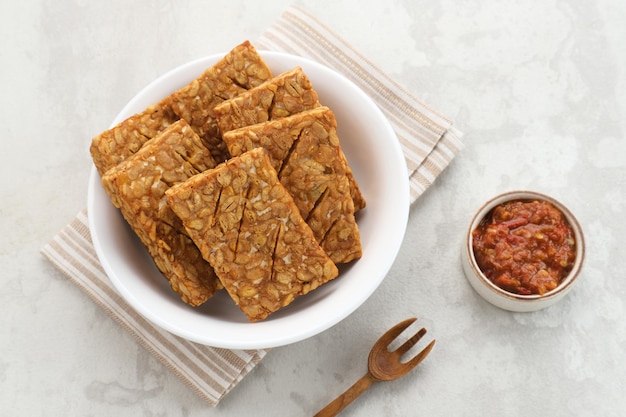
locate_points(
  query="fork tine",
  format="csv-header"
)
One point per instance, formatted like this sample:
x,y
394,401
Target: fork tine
x,y
410,342
420,356
395,331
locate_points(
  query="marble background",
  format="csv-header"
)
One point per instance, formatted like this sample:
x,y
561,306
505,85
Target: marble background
x,y
537,87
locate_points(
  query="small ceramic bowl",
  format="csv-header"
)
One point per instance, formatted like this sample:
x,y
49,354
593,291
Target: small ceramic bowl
x,y
505,299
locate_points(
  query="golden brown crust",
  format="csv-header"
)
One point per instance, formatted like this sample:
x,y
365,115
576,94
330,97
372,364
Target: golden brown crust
x,y
137,187
248,227
333,223
241,69
114,145
288,93
305,151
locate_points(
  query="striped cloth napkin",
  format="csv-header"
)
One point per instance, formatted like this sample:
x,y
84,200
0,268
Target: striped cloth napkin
x,y
428,139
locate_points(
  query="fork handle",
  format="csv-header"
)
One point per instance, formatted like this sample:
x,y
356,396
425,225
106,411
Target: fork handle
x,y
334,407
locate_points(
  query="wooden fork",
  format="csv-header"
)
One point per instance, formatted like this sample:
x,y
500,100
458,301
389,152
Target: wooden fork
x,y
383,365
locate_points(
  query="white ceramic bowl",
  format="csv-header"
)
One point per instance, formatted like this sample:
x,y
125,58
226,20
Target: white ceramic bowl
x,y
376,158
502,298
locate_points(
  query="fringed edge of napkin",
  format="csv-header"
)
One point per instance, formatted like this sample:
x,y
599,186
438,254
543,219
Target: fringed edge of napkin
x,y
210,372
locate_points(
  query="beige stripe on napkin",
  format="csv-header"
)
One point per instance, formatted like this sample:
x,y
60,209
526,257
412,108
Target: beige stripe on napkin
x,y
429,142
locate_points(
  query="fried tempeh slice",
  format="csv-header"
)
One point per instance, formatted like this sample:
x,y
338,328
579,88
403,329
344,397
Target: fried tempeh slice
x,y
247,226
305,151
286,94
114,145
240,69
137,187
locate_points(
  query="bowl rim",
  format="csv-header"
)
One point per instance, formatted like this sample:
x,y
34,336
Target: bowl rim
x,y
569,280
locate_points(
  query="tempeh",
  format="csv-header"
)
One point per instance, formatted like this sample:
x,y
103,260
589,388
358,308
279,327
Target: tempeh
x,y
247,226
286,94
242,69
137,187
